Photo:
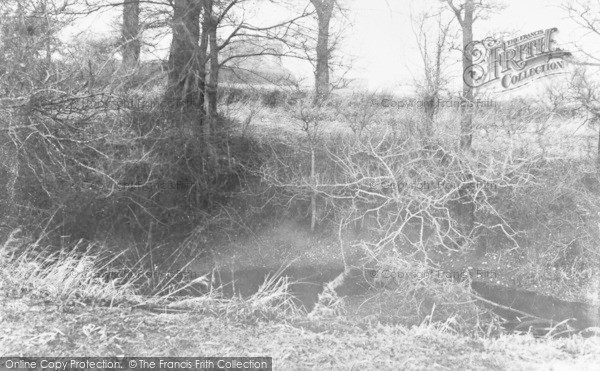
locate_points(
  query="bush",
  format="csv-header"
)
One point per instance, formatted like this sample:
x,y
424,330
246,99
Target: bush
x,y
274,98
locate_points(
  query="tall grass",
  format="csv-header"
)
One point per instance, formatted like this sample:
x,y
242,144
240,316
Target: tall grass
x,y
80,277
272,301
59,276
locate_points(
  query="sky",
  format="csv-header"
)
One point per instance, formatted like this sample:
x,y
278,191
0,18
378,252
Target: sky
x,y
388,54
382,46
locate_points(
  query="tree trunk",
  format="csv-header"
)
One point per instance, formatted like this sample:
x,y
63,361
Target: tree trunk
x,y
184,79
430,103
213,77
436,82
466,125
313,197
466,203
202,57
209,27
324,10
131,29
597,122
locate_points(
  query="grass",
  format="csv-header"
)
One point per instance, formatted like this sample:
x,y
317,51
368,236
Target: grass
x,y
65,277
296,345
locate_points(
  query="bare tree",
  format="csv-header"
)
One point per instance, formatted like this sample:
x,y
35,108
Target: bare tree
x,y
210,23
464,15
131,34
185,55
433,57
585,13
585,90
192,49
320,51
583,87
202,31
324,10
465,205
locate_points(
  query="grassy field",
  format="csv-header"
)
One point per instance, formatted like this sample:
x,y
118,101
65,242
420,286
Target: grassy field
x,y
33,327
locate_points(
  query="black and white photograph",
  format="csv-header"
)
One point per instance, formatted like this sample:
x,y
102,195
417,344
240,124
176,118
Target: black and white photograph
x,y
300,185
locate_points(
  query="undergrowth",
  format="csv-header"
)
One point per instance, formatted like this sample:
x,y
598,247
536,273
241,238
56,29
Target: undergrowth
x,y
77,276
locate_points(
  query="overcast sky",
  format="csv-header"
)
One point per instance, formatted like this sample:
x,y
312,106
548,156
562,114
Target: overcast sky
x,y
387,54
382,43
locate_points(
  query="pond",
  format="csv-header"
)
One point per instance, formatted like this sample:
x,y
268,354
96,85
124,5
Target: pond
x,y
306,283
